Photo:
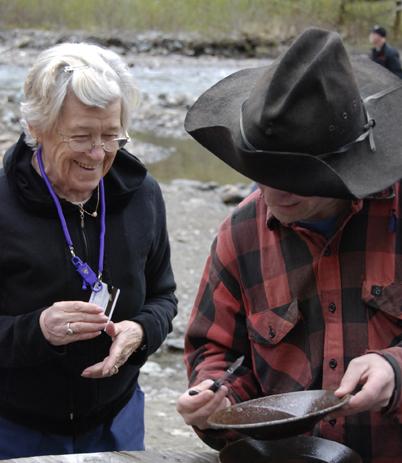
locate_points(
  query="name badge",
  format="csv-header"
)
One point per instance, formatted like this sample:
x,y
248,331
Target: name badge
x,y
105,299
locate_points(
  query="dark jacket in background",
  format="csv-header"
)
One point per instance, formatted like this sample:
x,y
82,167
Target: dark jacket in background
x,y
388,57
41,384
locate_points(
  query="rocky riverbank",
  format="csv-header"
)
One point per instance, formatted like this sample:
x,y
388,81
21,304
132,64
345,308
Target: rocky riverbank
x,y
236,45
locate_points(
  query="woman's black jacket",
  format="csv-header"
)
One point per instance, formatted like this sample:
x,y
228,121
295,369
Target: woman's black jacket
x,y
40,385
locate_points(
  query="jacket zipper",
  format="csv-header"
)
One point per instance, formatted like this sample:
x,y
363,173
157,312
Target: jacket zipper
x,y
71,414
84,236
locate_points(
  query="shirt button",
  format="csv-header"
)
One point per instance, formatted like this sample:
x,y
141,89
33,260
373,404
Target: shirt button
x,y
376,290
271,332
332,422
333,364
327,251
332,307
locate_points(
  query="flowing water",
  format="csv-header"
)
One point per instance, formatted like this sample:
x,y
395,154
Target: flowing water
x,y
189,161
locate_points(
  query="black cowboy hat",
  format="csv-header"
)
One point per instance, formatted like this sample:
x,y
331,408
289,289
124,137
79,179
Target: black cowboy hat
x,y
311,123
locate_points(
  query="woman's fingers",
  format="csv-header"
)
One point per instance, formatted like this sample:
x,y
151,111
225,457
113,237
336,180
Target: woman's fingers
x,y
70,321
94,371
111,329
84,327
126,337
78,306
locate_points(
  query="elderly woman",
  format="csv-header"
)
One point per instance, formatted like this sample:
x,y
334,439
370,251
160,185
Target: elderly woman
x,y
82,232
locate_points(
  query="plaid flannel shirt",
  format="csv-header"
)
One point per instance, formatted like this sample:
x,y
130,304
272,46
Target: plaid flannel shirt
x,y
301,307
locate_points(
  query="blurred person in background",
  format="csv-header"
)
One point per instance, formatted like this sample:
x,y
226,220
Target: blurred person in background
x,y
382,53
82,232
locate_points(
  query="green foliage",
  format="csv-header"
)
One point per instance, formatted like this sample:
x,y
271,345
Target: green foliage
x,y
276,18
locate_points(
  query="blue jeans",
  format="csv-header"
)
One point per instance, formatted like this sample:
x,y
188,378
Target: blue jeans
x,y
124,432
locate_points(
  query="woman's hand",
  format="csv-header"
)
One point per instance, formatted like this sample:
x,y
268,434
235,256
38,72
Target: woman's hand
x,y
71,321
127,337
377,378
196,409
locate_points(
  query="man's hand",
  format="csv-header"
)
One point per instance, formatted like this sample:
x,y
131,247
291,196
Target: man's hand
x,y
127,337
377,378
71,321
196,409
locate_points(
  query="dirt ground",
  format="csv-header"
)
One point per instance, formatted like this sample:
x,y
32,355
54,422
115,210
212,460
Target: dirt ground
x,y
164,427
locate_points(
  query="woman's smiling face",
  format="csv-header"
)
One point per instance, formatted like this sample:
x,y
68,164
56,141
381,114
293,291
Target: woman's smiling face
x,y
74,175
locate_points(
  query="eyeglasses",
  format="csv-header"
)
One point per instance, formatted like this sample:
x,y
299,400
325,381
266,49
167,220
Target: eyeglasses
x,y
85,143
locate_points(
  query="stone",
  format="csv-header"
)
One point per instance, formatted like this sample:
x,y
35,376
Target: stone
x,y
233,194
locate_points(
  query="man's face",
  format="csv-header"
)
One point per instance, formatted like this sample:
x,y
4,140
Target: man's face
x,y
289,207
376,40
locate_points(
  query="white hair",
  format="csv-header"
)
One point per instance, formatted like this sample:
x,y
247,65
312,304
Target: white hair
x,y
97,77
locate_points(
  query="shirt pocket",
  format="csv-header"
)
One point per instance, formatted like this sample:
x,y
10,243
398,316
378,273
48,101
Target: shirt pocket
x,y
384,306
271,326
278,349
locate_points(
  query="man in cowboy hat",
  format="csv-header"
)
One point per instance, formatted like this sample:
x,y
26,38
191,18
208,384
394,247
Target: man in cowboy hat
x,y
305,276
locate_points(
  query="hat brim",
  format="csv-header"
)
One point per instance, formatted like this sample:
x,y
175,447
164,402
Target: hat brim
x,y
214,121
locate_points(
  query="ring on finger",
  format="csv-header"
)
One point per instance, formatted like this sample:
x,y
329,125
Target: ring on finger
x,y
69,330
115,369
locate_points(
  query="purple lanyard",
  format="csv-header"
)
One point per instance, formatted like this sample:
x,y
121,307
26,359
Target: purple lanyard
x,y
87,274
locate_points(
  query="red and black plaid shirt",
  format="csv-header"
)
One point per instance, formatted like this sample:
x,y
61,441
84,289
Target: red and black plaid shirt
x,y
301,307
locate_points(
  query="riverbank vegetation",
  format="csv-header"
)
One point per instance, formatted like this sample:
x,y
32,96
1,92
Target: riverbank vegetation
x,y
278,19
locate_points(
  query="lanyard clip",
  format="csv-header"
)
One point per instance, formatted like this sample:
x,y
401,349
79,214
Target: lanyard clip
x,y
87,274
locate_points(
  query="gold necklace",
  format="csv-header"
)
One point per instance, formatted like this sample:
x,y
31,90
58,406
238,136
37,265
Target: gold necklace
x,y
93,214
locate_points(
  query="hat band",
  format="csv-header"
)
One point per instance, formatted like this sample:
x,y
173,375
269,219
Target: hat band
x,y
368,133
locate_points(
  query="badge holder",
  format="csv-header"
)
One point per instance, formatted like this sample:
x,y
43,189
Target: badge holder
x,y
105,299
